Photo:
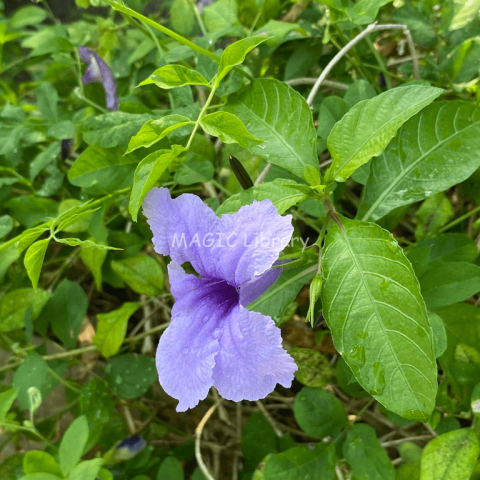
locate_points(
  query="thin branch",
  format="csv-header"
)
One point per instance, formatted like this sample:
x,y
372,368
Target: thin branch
x,y
198,437
269,418
263,174
312,80
373,27
393,443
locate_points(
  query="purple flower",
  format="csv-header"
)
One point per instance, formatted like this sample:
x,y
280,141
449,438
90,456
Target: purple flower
x,y
99,72
213,340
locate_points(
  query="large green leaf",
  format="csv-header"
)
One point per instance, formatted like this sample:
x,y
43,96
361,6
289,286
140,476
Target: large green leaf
x,y
432,152
373,306
367,128
107,168
277,191
274,112
6,401
148,171
450,456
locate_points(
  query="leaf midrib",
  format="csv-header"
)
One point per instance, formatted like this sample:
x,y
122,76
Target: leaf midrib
x,y
400,177
377,314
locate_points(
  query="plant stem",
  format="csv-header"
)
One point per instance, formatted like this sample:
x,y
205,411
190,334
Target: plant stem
x,y
198,17
200,115
460,219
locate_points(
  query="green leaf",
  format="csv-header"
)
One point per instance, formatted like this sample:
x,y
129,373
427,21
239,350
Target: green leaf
x,y
93,258
281,196
142,273
33,372
96,402
461,358
367,128
450,247
65,311
258,440
107,168
148,172
40,476
194,169
318,412
274,112
47,101
43,159
182,17
314,369
170,469
38,461
451,282
6,401
29,15
432,152
358,91
34,260
73,444
235,54
113,129
172,76
439,333
29,236
450,456
87,470
229,129
77,220
305,461
63,130
435,212
29,209
76,242
154,130
364,454
6,225
365,11
131,375
112,327
14,304
373,306
465,12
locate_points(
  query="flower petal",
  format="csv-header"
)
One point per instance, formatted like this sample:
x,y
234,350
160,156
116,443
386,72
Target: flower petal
x,y
183,228
187,349
254,237
251,360
255,289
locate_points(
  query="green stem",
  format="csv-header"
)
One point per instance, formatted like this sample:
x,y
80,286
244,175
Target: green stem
x,y
217,184
460,219
198,17
63,381
380,62
200,115
33,431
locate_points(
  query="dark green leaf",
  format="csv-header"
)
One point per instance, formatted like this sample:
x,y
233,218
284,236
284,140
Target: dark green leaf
x,y
314,369
32,373
318,412
258,440
6,401
364,454
131,375
47,101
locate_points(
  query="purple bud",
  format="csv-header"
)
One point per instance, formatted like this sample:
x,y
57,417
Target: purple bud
x,y
130,447
66,148
99,72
